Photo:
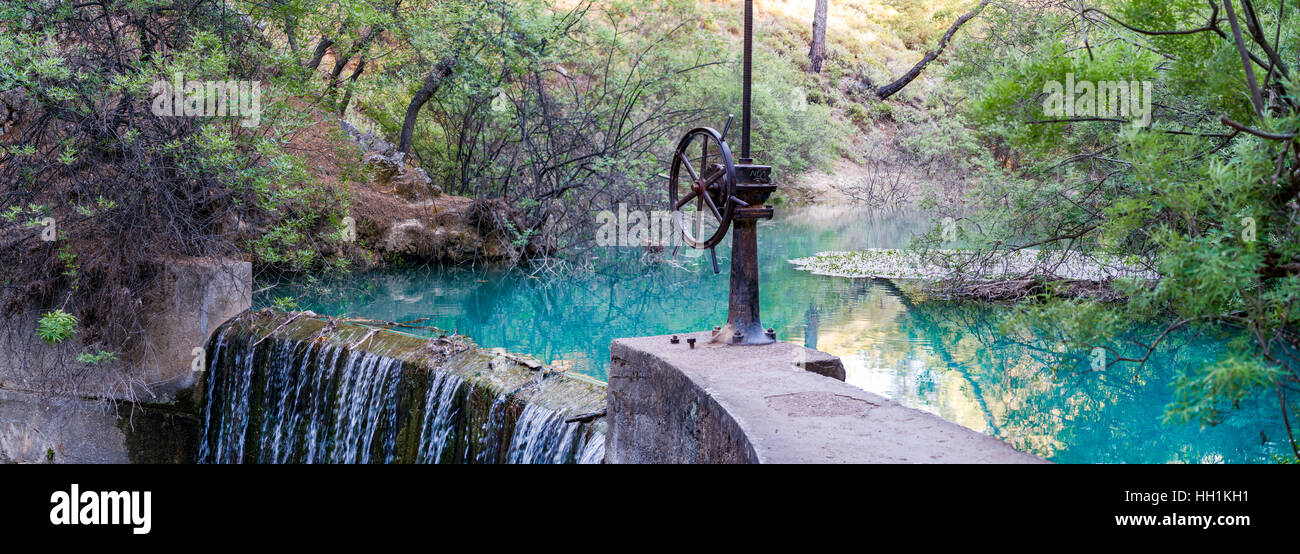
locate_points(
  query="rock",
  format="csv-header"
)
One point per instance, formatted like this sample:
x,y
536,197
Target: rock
x,y
414,184
412,238
14,108
402,213
350,129
407,237
385,166
390,170
368,141
371,142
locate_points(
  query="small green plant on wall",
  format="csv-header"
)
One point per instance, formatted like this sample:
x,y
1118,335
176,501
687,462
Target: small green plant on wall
x,y
56,326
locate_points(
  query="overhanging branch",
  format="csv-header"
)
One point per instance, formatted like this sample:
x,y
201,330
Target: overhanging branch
x,y
889,90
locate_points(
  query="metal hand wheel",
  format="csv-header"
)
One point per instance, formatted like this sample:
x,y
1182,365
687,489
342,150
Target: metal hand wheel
x,y
702,188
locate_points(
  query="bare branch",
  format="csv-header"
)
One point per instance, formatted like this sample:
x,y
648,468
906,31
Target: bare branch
x,y
891,88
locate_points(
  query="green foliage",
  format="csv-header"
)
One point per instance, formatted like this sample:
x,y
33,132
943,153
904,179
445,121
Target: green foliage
x,y
1202,393
610,73
285,303
69,260
789,132
1212,211
56,326
859,114
131,190
100,357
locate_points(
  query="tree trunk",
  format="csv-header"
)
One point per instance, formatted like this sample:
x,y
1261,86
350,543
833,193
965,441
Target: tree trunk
x,y
888,90
352,81
431,84
357,48
321,47
818,51
361,47
291,32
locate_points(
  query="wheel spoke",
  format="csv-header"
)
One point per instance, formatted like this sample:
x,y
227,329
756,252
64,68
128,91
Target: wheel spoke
x,y
689,168
684,200
699,219
717,175
712,208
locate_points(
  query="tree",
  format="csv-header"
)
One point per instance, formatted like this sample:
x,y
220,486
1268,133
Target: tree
x,y
432,82
1200,190
123,178
817,53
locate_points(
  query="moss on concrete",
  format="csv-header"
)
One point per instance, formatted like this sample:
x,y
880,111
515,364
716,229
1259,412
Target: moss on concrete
x,y
495,390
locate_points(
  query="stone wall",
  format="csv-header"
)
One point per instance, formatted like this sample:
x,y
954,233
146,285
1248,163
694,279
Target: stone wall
x,y
200,297
54,409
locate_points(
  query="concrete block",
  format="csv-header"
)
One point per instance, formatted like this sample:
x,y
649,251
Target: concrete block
x,y
199,295
36,429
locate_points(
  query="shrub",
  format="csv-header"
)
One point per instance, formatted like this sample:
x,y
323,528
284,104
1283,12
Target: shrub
x,y
56,326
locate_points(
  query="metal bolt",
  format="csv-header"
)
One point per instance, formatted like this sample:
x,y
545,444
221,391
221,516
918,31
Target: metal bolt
x,y
738,337
691,342
674,340
716,330
771,332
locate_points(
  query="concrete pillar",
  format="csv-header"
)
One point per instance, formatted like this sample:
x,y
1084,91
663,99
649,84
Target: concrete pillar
x,y
198,296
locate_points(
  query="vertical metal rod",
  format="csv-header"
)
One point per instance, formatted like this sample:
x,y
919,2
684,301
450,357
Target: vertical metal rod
x,y
749,52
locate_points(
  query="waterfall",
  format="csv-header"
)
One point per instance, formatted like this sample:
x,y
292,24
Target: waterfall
x,y
440,413
542,437
593,449
280,399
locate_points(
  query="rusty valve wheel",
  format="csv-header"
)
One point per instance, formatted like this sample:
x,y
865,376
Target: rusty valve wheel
x,y
703,174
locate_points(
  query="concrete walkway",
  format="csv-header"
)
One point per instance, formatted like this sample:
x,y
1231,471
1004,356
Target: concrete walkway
x,y
668,403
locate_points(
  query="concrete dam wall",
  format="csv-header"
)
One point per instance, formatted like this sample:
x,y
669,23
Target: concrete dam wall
x,y
295,388
276,387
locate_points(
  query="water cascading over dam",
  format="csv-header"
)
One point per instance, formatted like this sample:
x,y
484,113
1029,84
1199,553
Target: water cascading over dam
x,y
294,388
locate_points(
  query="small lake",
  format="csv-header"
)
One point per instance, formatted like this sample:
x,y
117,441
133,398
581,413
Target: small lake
x,y
946,358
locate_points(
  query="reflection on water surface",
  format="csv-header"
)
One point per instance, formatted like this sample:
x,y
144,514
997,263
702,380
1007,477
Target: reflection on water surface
x,y
945,358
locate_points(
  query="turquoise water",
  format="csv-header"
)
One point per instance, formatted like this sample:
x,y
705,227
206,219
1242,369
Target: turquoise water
x,y
942,357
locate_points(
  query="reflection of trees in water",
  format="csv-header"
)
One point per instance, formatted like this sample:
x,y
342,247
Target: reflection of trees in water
x,y
1042,398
